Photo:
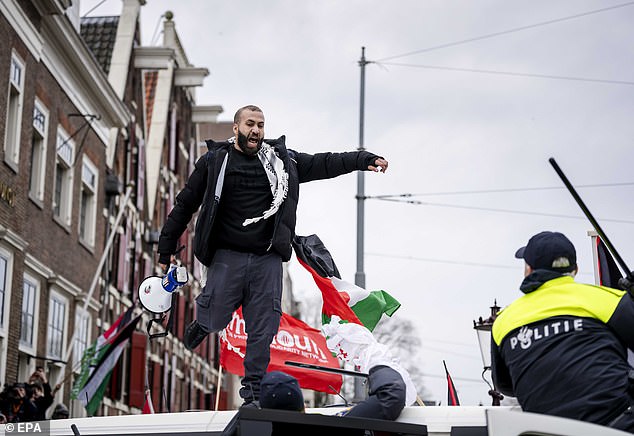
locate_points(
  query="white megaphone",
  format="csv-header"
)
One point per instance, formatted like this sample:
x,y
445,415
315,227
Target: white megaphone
x,y
155,293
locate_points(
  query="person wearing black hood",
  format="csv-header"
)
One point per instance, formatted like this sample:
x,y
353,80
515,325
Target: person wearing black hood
x,y
561,348
15,405
247,189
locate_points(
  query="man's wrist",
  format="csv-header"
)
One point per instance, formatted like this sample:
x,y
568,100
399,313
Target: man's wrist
x,y
164,258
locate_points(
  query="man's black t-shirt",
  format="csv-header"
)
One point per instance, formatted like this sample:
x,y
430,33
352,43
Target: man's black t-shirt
x,y
246,193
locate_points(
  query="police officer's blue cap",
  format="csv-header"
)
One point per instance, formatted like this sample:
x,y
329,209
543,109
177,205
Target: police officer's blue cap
x,y
549,250
279,390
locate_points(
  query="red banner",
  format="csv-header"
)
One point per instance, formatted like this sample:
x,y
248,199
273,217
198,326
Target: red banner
x,y
295,341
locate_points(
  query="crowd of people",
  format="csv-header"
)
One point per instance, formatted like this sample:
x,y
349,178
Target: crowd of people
x,y
23,402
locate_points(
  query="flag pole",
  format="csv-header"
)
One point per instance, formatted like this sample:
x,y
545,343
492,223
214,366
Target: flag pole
x,y
106,250
219,382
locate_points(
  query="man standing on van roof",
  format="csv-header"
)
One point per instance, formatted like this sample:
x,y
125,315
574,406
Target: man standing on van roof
x,y
561,349
248,188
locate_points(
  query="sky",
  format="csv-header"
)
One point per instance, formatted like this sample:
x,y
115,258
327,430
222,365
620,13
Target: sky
x,y
467,100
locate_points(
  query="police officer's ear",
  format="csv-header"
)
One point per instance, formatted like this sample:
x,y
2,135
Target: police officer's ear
x,y
527,269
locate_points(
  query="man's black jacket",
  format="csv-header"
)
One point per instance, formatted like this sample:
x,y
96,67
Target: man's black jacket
x,y
200,189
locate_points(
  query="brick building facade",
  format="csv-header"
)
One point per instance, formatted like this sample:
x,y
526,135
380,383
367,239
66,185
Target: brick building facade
x,y
57,111
89,115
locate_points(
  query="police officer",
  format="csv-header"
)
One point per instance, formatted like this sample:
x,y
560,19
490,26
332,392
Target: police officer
x,y
561,348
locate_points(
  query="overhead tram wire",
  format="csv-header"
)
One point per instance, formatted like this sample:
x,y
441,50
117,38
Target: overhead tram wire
x,y
452,262
489,209
500,190
471,345
508,73
93,8
463,379
505,32
453,353
407,199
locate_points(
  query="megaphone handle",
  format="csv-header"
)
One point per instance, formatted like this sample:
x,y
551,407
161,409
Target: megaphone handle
x,y
170,320
155,335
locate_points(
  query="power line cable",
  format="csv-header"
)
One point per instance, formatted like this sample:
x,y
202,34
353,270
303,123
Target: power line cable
x,y
504,32
499,190
452,262
490,209
445,342
93,8
454,353
509,73
465,379
156,33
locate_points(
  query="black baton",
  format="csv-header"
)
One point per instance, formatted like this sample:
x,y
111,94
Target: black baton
x,y
595,224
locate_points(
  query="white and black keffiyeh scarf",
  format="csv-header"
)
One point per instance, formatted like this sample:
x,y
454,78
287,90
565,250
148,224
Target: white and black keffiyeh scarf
x,y
278,180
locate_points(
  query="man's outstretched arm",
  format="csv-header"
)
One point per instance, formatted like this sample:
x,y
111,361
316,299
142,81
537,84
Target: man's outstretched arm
x,y
328,165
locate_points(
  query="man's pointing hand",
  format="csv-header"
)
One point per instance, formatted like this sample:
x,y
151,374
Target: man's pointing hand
x,y
380,165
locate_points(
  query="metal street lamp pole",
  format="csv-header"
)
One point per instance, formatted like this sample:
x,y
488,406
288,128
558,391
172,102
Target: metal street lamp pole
x,y
483,328
359,276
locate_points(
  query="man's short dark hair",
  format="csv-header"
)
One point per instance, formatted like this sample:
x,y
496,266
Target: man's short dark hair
x,y
252,108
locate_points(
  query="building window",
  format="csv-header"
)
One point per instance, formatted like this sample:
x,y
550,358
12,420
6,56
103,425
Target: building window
x,y
38,152
63,191
29,304
56,326
15,101
82,335
88,202
4,264
6,273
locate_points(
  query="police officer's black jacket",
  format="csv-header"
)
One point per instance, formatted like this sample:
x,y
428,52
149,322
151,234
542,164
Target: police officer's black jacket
x,y
202,185
561,349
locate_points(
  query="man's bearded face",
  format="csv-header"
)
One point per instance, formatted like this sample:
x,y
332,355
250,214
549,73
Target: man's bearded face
x,y
249,144
249,132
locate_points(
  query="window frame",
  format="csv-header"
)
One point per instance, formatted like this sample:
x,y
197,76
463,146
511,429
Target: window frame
x,y
64,215
30,348
88,222
37,176
5,309
13,120
5,304
56,297
81,317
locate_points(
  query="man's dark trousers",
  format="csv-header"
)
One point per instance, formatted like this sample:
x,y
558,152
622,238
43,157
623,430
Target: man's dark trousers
x,y
255,282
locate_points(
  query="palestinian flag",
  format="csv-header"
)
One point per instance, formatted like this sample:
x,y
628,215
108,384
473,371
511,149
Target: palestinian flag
x,y
609,272
99,360
346,300
452,395
148,407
